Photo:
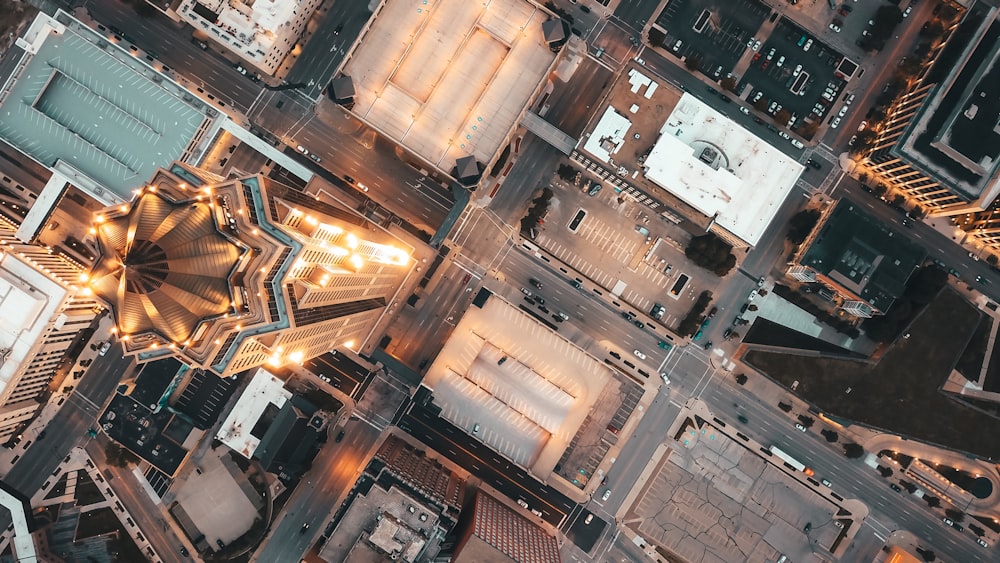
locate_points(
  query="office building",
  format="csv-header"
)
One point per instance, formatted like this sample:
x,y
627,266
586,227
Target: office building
x,y
229,275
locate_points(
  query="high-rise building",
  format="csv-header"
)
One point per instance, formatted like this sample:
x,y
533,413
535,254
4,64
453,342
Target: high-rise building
x,y
43,310
229,275
939,144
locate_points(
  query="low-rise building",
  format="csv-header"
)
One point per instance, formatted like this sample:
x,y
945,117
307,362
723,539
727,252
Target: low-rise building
x,y
857,257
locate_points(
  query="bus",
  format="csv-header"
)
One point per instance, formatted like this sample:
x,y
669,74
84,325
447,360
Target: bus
x,y
791,461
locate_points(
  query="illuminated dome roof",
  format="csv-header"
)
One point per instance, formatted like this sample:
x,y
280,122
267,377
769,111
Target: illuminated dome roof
x,y
164,267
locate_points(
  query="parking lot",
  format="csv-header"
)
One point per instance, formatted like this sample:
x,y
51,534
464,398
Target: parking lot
x,y
726,26
794,71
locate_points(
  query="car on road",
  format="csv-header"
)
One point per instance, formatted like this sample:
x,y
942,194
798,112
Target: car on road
x,y
606,495
948,521
302,150
906,12
981,542
862,126
814,163
104,347
521,503
895,487
525,292
982,280
315,158
743,419
340,437
536,283
974,256
665,378
639,324
707,345
639,354
698,335
744,110
825,483
799,427
239,68
835,123
663,345
304,528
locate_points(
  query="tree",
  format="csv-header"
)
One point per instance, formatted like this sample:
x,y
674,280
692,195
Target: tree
x,y
806,421
830,435
926,284
785,407
752,308
729,83
741,379
693,63
885,471
932,501
782,116
760,105
801,224
712,253
656,37
927,554
879,190
119,456
956,515
992,259
853,451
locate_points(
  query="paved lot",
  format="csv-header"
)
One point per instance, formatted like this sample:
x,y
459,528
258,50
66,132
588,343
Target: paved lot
x,y
712,498
774,70
723,39
215,501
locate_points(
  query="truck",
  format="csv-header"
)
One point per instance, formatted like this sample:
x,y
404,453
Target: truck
x,y
791,461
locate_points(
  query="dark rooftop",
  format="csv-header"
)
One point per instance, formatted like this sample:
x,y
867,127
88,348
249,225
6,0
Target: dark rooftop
x,y
155,437
956,143
863,255
153,380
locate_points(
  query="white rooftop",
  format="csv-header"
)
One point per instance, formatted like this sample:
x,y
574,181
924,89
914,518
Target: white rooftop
x,y
28,301
264,389
608,135
743,187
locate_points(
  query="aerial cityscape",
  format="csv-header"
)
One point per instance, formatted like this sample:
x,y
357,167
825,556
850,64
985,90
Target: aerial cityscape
x,y
323,281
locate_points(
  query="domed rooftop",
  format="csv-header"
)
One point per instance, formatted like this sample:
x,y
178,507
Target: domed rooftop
x,y
164,267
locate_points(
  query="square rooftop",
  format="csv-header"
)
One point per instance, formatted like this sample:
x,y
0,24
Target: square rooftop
x,y
719,168
80,99
863,255
450,78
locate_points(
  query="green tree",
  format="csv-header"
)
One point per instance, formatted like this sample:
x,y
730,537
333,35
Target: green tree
x,y
801,224
853,451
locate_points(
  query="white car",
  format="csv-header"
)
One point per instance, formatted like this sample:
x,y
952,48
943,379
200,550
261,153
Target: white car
x,y
665,378
798,69
825,483
906,12
589,519
849,99
607,495
757,96
843,111
784,135
799,427
798,144
807,45
835,123
756,46
521,503
639,354
863,126
302,149
781,61
744,110
835,28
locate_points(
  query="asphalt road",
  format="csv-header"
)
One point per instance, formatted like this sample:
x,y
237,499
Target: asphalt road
x,y
484,463
333,473
336,30
636,13
344,373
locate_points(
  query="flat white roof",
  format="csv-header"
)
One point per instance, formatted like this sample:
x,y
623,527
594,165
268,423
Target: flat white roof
x,y
608,135
28,301
264,389
743,187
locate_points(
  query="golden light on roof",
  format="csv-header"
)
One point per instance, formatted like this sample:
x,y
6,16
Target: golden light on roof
x,y
123,208
84,278
352,241
296,357
311,220
99,218
357,261
349,344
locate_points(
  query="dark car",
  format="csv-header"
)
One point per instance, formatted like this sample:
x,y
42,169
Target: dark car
x,y
639,324
184,551
536,283
304,528
340,436
349,180
895,487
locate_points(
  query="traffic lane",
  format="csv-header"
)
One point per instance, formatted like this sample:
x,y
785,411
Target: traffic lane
x,y
334,471
148,519
324,52
635,13
159,35
570,104
480,460
850,478
341,377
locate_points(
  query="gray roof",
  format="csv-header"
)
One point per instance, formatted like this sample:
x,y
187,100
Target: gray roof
x,y
85,101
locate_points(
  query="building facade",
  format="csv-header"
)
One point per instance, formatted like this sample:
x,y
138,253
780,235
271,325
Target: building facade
x,y
45,309
262,33
938,146
228,275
